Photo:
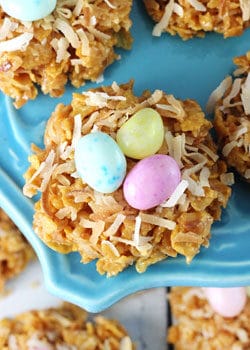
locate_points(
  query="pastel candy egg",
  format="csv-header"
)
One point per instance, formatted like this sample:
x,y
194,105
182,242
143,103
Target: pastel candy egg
x,y
28,10
100,162
142,135
227,302
151,181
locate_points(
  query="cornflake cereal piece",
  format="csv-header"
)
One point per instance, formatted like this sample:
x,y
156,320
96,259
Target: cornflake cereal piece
x,y
189,18
62,328
76,42
232,118
70,216
199,327
15,252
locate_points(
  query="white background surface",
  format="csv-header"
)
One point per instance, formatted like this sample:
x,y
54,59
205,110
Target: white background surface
x,y
143,314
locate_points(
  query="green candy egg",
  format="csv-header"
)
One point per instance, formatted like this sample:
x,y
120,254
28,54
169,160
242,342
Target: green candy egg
x,y
142,135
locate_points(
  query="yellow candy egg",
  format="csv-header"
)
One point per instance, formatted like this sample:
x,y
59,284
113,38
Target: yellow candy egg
x,y
142,135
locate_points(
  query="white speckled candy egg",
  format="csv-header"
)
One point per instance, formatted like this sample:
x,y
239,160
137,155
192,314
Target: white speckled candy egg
x,y
227,302
100,162
151,181
28,10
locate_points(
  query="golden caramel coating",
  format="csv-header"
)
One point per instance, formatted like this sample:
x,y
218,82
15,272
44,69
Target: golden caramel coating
x,y
76,42
224,17
15,252
64,328
232,119
198,327
70,216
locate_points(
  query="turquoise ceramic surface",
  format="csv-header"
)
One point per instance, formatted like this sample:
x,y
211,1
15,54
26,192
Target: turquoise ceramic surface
x,y
189,69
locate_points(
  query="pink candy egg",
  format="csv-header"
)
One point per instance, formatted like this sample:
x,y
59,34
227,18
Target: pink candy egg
x,y
151,181
227,302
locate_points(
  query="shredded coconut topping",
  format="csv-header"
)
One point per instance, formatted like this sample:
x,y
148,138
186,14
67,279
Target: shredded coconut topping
x,y
20,42
245,93
100,99
178,9
247,174
218,93
114,227
155,220
110,4
245,8
197,5
160,26
69,33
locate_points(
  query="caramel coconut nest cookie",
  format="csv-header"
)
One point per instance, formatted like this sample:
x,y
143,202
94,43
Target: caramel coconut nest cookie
x,y
63,328
232,117
72,216
15,252
75,42
189,18
198,326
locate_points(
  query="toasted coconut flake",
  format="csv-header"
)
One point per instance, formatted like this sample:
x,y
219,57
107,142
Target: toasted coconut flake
x,y
136,236
218,93
126,344
97,229
176,195
209,152
176,146
114,227
155,97
77,130
245,94
144,244
69,33
78,8
66,212
112,247
155,220
60,46
247,174
110,4
197,292
179,111
12,343
178,9
98,34
20,42
229,147
197,5
7,28
36,343
84,42
204,177
99,99
44,171
227,179
160,26
241,130
234,92
194,187
245,8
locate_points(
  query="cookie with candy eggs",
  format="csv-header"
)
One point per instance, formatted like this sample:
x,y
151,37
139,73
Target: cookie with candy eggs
x,y
49,43
210,318
231,102
64,327
189,18
15,251
127,179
